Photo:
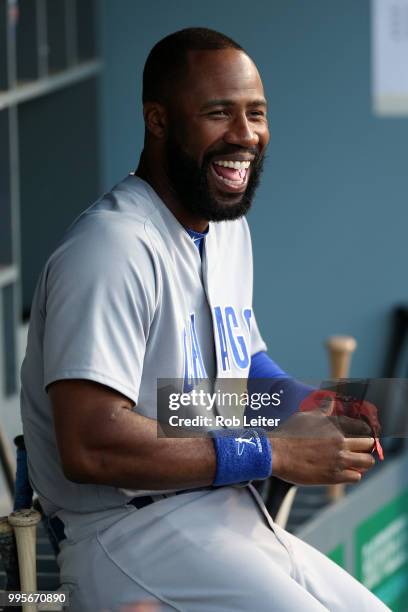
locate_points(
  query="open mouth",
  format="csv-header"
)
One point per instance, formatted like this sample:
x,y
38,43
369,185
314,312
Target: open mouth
x,y
230,176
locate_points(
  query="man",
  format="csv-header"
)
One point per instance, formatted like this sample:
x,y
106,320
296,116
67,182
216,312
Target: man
x,y
155,281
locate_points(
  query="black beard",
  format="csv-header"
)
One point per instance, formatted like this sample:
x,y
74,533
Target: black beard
x,y
190,183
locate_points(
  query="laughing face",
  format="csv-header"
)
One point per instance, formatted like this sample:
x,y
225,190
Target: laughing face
x,y
217,135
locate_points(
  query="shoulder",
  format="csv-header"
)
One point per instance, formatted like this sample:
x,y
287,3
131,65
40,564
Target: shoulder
x,y
99,244
108,245
115,229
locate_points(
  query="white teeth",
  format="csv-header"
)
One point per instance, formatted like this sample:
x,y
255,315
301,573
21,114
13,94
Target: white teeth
x,y
237,165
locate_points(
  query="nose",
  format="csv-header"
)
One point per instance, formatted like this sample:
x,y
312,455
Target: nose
x,y
241,132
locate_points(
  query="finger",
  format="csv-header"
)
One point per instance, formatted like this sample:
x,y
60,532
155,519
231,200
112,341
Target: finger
x,y
352,427
348,477
364,445
360,460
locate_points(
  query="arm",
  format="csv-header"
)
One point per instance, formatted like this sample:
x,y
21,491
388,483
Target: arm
x,y
102,441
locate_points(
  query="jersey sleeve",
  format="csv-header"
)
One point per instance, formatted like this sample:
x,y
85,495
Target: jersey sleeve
x,y
100,303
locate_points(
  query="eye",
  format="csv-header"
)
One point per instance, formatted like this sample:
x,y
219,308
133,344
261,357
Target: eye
x,y
218,113
257,114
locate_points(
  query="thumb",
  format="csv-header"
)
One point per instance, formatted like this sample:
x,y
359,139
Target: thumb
x,y
327,405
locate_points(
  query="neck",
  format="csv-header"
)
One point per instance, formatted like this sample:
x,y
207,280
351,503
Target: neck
x,y
154,174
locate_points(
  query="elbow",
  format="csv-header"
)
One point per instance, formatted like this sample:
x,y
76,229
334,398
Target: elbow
x,y
80,469
73,474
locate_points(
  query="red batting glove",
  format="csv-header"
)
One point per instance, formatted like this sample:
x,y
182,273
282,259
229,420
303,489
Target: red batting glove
x,y
346,406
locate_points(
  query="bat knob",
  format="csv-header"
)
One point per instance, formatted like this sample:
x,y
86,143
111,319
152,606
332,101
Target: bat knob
x,y
341,343
27,517
340,349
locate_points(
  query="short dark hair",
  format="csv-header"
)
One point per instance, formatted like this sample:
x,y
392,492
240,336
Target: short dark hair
x,y
165,62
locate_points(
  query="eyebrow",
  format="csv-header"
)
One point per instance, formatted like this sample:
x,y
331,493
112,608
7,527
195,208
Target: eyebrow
x,y
226,102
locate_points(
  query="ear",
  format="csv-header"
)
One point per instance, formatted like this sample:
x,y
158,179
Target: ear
x,y
155,118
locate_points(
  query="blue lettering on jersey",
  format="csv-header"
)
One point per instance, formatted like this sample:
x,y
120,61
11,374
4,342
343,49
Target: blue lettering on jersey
x,y
222,340
231,344
194,369
227,322
247,314
197,358
188,384
241,357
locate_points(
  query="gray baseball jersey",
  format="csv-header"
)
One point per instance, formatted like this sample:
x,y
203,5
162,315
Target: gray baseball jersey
x,y
125,299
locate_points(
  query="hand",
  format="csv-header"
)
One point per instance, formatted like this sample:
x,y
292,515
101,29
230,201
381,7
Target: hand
x,y
313,448
347,406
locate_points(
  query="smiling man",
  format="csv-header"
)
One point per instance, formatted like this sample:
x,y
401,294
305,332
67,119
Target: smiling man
x,y
216,132
155,281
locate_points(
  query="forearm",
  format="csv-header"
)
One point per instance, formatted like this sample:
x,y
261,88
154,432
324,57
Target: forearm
x,y
131,455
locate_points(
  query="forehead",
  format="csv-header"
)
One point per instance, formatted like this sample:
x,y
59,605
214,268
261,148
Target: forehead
x,y
220,74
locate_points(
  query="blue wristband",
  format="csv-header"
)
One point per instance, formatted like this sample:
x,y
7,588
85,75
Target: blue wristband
x,y
242,455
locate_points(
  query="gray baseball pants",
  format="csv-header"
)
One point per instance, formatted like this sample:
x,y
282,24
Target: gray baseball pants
x,y
204,551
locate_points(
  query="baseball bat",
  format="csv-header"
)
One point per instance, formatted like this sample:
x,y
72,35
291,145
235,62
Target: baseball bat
x,y
8,554
8,463
24,523
340,349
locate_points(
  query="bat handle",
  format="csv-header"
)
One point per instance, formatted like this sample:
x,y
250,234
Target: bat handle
x,y
24,523
340,349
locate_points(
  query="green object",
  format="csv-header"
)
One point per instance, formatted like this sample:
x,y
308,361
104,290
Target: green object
x,y
337,555
381,553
